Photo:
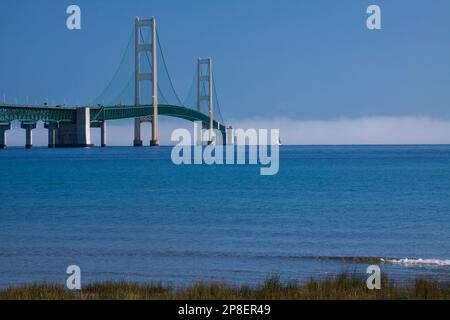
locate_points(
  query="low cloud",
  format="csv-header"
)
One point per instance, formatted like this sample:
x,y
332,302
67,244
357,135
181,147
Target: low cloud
x,y
366,130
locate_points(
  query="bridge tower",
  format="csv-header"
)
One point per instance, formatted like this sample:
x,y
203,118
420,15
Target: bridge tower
x,y
205,90
147,49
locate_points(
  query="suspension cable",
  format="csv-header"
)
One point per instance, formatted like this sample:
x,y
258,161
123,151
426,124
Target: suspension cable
x,y
189,94
117,71
167,70
217,98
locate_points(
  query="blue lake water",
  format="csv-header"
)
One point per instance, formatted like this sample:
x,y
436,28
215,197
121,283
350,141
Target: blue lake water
x,y
130,214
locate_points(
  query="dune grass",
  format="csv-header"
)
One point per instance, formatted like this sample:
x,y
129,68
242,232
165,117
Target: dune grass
x,y
343,287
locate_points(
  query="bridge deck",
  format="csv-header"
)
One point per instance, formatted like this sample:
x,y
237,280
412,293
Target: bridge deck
x,y
52,114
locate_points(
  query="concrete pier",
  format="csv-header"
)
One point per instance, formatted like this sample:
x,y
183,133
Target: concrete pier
x,y
229,136
102,126
28,134
52,130
154,141
103,134
84,127
75,135
3,128
137,133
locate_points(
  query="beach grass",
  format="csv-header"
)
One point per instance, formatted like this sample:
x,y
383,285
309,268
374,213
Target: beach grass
x,y
342,287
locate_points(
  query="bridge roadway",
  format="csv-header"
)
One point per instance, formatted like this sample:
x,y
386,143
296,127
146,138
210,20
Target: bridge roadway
x,y
69,126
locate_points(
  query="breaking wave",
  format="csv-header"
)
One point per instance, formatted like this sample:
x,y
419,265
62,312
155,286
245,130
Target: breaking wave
x,y
425,262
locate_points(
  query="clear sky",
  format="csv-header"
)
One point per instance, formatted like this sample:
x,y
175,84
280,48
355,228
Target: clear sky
x,y
301,59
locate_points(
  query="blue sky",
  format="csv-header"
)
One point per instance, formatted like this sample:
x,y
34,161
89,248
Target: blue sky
x,y
302,60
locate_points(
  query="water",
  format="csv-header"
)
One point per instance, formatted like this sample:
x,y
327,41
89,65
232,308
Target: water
x,y
130,214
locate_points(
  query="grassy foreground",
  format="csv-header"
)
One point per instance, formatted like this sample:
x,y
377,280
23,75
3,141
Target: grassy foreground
x,y
341,287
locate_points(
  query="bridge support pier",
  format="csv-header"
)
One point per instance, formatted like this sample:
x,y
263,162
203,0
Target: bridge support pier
x,y
28,134
75,135
229,136
154,142
3,128
137,133
103,134
102,126
52,129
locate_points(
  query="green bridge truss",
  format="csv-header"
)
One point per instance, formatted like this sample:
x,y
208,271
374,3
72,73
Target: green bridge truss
x,y
26,114
9,113
125,112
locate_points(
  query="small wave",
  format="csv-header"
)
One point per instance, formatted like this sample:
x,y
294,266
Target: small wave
x,y
425,262
350,259
384,260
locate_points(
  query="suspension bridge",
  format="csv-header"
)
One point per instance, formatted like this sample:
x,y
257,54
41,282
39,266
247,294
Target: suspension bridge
x,y
144,97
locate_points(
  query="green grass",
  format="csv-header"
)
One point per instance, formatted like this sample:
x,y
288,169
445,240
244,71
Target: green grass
x,y
348,287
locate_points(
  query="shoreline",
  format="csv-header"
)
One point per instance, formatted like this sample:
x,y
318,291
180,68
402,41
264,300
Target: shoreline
x,y
342,287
